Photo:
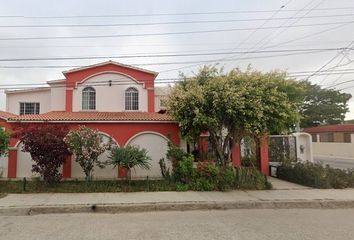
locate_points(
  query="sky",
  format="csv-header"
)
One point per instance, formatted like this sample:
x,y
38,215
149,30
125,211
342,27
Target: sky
x,y
310,39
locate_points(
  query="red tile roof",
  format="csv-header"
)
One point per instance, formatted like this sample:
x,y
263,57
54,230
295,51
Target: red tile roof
x,y
61,116
331,128
7,115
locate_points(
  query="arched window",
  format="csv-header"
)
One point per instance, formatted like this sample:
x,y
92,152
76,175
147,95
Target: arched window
x,y
131,99
88,98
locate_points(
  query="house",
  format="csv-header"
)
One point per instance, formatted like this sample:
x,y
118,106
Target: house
x,y
120,101
332,140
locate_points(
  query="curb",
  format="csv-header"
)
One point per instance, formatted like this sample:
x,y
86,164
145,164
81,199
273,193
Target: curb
x,y
174,206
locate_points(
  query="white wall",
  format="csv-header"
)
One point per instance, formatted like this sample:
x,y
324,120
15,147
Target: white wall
x,y
41,96
98,173
110,98
333,149
156,146
158,102
57,97
3,166
24,164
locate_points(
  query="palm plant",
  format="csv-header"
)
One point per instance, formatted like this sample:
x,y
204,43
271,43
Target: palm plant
x,y
130,157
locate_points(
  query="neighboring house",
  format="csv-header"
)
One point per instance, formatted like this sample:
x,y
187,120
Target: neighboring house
x,y
120,101
333,140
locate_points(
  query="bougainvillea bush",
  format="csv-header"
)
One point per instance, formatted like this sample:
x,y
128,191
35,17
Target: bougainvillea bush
x,y
87,145
47,148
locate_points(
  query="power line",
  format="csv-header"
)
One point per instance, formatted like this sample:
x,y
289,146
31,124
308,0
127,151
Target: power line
x,y
171,55
169,23
284,29
165,63
171,14
159,81
275,45
171,33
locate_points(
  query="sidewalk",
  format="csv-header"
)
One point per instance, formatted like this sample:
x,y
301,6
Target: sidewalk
x,y
29,204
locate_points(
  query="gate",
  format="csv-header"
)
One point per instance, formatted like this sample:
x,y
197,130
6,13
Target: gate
x,y
282,148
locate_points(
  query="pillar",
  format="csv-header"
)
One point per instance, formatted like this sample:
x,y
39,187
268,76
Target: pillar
x,y
264,160
203,147
151,99
69,100
67,167
236,155
12,163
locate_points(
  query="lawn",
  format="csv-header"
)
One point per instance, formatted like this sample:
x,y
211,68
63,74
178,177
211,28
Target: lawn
x,y
85,187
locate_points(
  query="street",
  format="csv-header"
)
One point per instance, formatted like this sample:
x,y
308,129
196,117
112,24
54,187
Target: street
x,y
232,224
337,162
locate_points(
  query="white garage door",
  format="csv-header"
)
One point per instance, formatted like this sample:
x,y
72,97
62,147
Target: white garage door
x,y
24,164
156,146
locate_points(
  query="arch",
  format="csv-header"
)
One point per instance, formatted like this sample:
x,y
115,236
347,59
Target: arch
x,y
145,132
114,72
131,99
156,146
88,100
107,135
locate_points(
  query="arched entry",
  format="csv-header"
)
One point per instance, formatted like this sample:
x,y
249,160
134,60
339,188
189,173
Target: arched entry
x,y
156,146
108,172
24,163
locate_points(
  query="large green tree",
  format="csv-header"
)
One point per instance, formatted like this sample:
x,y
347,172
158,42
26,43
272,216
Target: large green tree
x,y
232,105
322,106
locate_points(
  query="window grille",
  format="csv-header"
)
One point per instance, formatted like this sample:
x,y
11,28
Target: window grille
x,y
89,98
131,99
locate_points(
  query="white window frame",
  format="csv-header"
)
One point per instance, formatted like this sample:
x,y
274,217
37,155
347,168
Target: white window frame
x,y
131,99
88,100
36,108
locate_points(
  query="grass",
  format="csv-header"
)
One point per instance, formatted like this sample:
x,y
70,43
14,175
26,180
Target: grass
x,y
86,187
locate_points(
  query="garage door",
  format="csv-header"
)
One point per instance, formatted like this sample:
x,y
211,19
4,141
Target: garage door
x,y
156,146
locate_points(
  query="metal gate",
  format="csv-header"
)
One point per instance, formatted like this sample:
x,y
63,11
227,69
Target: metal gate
x,y
282,148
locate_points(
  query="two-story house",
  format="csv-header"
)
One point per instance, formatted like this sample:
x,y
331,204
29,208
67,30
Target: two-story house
x,y
117,99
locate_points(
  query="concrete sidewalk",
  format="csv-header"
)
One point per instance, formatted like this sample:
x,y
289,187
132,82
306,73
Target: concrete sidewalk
x,y
28,204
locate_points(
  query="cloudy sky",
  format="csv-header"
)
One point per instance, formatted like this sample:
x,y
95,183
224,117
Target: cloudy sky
x,y
311,39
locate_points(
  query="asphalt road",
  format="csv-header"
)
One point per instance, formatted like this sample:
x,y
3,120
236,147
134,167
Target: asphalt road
x,y
294,224
342,163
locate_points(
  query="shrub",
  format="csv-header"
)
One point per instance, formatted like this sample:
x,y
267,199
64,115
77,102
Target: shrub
x,y
129,157
316,175
175,154
4,141
47,148
184,171
250,178
226,178
87,145
165,171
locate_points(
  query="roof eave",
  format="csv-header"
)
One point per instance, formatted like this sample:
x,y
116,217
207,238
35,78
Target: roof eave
x,y
109,62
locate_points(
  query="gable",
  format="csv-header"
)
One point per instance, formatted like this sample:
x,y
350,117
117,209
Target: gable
x,y
80,75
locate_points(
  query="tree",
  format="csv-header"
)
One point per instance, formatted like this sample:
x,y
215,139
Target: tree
x,y
87,145
47,148
4,141
232,105
322,106
129,157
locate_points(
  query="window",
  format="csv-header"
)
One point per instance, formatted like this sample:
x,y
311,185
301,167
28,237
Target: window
x,y
314,137
163,102
88,98
131,99
29,108
347,138
326,137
